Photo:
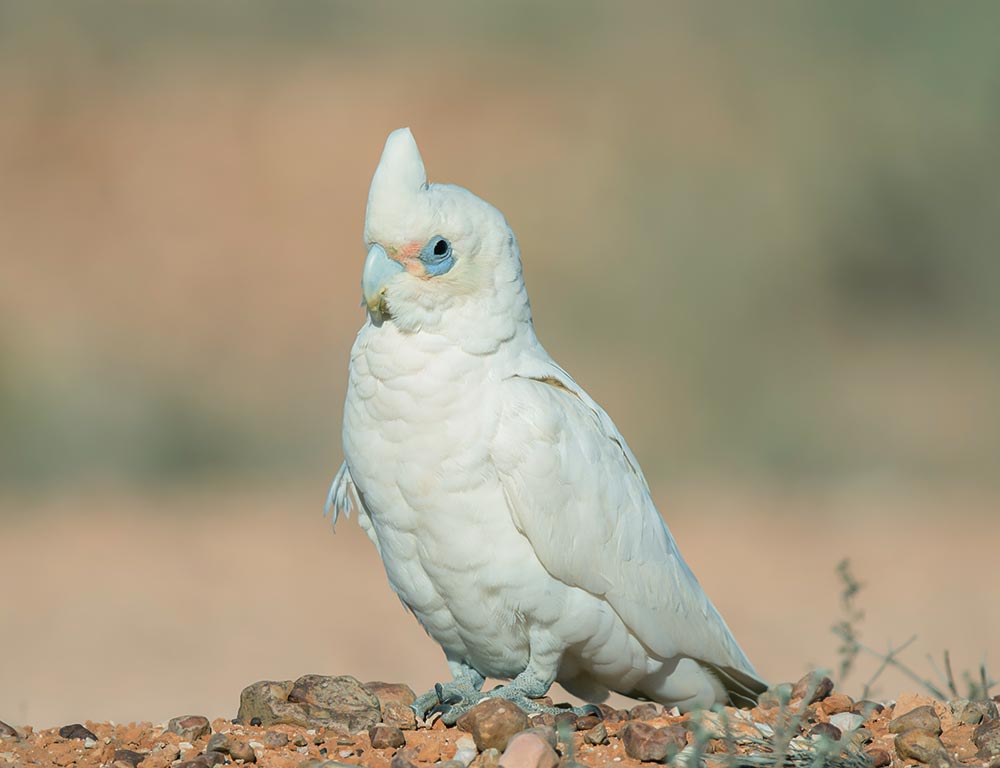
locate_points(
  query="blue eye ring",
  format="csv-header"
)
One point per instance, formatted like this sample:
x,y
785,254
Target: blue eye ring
x,y
437,256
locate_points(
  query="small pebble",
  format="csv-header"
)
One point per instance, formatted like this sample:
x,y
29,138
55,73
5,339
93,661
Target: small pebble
x,y
587,722
879,757
922,746
89,743
453,763
129,756
846,721
974,712
987,738
836,703
240,750
919,719
645,742
207,760
819,686
528,750
596,735
169,752
868,709
396,692
386,736
645,711
488,758
566,720
492,723
275,739
544,718
546,732
861,736
612,715
8,731
829,730
190,727
401,760
466,750
398,714
299,740
256,721
76,731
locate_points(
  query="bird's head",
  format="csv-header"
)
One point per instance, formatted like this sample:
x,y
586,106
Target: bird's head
x,y
438,256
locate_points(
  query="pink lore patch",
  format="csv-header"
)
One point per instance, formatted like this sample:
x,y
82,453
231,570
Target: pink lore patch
x,y
407,256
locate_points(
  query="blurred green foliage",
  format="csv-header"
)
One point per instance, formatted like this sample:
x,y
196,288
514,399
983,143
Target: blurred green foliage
x,y
762,235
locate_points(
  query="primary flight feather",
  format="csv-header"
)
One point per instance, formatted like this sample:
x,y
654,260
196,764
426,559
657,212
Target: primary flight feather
x,y
509,512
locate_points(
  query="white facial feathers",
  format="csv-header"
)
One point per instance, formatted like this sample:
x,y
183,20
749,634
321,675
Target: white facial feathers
x,y
459,264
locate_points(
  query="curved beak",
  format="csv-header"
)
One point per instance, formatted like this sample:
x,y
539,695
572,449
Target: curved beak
x,y
379,270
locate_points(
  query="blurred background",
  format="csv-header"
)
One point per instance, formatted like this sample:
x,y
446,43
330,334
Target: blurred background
x,y
762,236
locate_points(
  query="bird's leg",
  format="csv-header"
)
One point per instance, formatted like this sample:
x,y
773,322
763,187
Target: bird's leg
x,y
460,694
533,683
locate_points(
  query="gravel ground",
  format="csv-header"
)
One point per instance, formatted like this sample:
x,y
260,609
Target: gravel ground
x,y
338,721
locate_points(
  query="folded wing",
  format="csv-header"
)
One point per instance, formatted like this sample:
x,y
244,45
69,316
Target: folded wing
x,y
575,490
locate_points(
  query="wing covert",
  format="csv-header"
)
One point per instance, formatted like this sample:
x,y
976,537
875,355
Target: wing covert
x,y
576,492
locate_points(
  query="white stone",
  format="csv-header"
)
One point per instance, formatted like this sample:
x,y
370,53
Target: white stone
x,y
466,751
846,721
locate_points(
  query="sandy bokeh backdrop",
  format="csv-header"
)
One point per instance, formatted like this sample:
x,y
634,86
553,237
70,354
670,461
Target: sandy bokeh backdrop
x,y
764,240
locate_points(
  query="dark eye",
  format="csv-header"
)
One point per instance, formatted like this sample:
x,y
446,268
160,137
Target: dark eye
x,y
437,256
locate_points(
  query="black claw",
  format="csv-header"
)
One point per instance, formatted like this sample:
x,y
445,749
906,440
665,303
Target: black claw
x,y
439,709
455,698
593,709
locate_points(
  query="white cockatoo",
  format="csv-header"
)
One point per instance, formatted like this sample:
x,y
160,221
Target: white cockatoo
x,y
512,518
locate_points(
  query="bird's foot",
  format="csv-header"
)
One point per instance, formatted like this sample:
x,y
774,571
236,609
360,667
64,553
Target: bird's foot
x,y
449,700
452,700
